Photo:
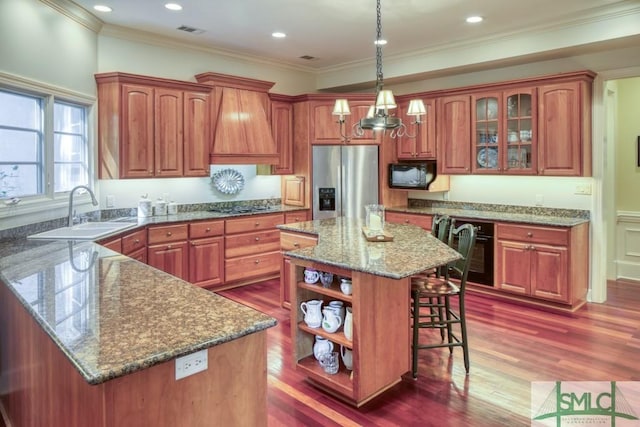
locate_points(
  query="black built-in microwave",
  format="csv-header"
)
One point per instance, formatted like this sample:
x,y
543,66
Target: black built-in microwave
x,y
412,175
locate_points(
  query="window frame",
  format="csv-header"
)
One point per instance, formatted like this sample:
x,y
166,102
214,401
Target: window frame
x,y
50,94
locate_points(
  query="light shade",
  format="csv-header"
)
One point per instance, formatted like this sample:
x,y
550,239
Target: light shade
x,y
341,108
416,108
385,100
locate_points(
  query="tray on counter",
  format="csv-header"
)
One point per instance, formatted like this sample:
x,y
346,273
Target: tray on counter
x,y
383,236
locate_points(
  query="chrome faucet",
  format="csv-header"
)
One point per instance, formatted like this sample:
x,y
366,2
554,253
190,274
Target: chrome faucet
x,y
93,200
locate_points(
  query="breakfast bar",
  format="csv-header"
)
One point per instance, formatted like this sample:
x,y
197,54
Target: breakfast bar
x,y
380,275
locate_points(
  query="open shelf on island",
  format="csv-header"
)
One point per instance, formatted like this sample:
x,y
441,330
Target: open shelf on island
x,y
333,291
336,337
340,382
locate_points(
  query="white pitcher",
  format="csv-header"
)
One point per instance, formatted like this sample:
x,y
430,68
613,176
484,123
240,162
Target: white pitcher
x,y
331,320
347,357
348,324
321,346
312,310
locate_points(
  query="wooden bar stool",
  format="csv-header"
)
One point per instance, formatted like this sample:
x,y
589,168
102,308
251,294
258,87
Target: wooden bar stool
x,y
432,297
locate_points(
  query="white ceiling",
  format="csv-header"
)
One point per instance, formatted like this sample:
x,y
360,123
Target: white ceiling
x,y
341,32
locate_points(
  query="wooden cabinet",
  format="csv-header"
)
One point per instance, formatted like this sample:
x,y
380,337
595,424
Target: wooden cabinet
x,y
113,243
241,120
252,248
423,221
381,345
419,142
151,127
282,130
206,253
454,135
297,216
168,250
325,129
564,128
134,245
549,263
290,240
293,190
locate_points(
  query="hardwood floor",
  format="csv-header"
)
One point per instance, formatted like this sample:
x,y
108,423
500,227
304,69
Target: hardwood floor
x,y
510,346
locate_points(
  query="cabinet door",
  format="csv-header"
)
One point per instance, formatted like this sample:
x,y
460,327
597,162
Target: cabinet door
x,y
423,221
137,143
559,124
324,128
282,130
206,261
513,267
454,136
520,153
418,141
359,110
293,188
172,258
113,244
485,133
139,255
197,133
285,283
549,278
169,141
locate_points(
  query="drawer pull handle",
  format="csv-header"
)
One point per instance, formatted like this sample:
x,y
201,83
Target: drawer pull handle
x,y
169,247
529,234
208,229
257,224
257,261
406,221
296,245
136,241
257,239
193,243
168,233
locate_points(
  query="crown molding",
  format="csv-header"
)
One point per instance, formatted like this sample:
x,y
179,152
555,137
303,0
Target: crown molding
x,y
76,13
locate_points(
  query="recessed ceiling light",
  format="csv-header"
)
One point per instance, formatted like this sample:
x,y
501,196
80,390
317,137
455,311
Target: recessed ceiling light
x,y
173,6
475,19
380,42
278,35
102,8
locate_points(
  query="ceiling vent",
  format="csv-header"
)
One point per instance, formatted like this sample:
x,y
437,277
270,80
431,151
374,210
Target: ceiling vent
x,y
191,30
309,58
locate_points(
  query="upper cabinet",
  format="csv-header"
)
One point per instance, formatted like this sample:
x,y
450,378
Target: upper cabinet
x,y
536,126
454,134
150,127
419,142
282,131
324,127
241,120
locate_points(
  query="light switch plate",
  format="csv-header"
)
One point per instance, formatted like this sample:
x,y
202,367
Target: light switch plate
x,y
111,201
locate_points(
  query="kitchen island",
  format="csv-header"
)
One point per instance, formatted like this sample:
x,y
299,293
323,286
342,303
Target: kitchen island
x,y
380,274
90,337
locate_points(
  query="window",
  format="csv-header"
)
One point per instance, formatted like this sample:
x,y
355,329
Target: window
x,y
43,144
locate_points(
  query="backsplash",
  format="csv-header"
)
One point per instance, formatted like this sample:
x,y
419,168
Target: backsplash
x,y
527,210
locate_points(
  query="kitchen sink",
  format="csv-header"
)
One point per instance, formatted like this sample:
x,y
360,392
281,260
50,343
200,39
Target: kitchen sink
x,y
85,231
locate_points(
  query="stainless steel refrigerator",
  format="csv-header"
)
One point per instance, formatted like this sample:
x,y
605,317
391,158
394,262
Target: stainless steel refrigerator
x,y
345,179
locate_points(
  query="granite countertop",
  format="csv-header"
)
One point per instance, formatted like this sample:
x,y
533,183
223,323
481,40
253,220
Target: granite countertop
x,y
489,215
341,243
112,315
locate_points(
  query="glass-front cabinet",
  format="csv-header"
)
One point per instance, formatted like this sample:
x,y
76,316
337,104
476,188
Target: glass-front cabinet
x,y
503,134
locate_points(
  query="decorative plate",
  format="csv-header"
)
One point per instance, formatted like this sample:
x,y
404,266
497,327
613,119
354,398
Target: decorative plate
x,y
488,158
228,181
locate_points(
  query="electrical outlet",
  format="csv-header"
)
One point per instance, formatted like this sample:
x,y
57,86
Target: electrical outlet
x,y
539,199
583,189
191,364
111,201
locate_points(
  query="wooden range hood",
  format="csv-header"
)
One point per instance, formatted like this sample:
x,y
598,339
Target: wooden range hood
x,y
241,120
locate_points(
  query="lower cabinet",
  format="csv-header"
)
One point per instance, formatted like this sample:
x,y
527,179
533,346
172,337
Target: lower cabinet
x,y
206,253
168,250
134,245
547,263
252,248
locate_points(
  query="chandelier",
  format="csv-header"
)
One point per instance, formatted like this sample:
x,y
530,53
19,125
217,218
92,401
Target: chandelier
x,y
378,117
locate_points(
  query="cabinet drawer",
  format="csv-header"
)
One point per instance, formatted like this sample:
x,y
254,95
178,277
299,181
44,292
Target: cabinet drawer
x,y
168,233
253,223
203,229
423,221
134,241
251,243
290,241
297,216
526,233
252,266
